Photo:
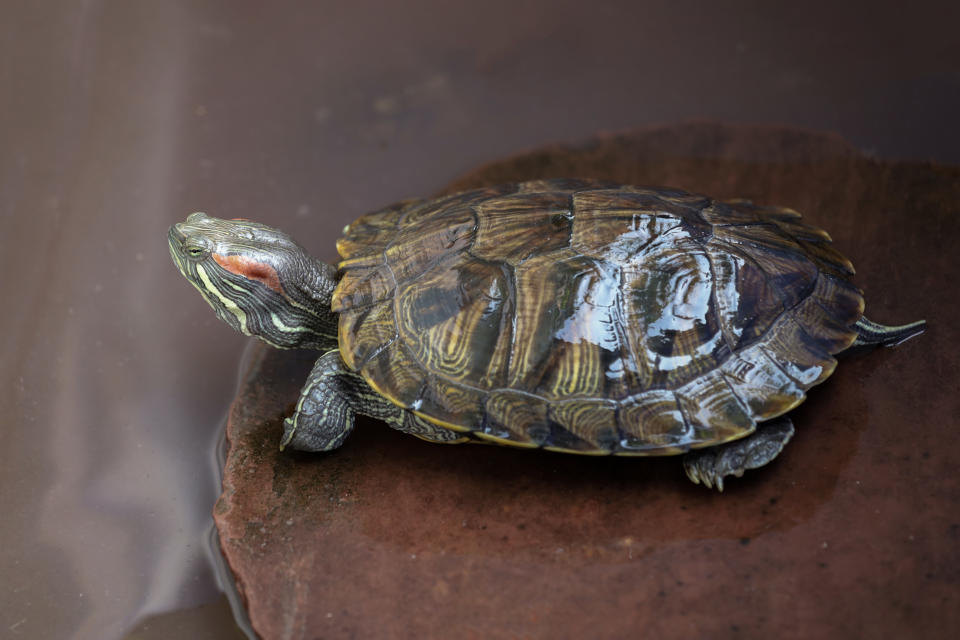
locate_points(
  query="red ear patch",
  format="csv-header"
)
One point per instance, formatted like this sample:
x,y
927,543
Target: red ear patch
x,y
250,269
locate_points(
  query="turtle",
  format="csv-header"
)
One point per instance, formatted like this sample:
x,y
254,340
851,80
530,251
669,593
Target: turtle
x,y
571,315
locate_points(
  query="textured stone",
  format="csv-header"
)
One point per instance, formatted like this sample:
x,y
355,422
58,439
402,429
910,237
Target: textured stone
x,y
852,532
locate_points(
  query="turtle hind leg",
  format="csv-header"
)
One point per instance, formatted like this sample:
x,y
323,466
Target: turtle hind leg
x,y
871,333
712,464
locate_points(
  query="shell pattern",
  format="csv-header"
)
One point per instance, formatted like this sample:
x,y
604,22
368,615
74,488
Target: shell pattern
x,y
593,318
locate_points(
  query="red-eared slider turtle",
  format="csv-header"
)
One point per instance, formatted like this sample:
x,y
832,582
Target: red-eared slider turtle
x,y
568,315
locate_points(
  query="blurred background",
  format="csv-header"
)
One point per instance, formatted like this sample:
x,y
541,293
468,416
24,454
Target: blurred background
x,y
119,118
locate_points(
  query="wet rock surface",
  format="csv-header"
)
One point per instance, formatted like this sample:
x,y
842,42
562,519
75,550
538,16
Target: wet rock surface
x,y
852,532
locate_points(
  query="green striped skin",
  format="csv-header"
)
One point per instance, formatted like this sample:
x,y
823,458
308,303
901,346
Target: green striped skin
x,y
257,280
593,318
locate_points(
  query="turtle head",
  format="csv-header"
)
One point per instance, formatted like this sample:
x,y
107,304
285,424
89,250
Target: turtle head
x,y
258,280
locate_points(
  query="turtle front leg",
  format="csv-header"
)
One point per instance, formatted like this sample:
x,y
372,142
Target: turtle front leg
x,y
325,413
328,405
712,464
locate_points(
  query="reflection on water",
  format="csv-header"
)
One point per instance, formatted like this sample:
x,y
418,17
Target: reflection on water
x,y
217,618
213,621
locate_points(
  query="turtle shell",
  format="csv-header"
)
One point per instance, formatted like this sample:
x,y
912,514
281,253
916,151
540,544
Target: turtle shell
x,y
590,317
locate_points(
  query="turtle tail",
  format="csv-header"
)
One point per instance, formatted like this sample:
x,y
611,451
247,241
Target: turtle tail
x,y
872,333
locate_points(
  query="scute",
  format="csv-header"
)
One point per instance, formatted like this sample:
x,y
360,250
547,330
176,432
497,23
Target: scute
x,y
512,228
591,317
365,331
454,319
671,311
566,328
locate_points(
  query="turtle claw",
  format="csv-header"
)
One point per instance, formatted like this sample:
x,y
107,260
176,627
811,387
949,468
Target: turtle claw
x,y
709,466
701,473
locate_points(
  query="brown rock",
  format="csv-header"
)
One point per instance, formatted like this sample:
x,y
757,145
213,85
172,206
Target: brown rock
x,y
852,532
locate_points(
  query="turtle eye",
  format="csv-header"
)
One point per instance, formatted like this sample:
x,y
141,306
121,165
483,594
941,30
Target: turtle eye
x,y
194,251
